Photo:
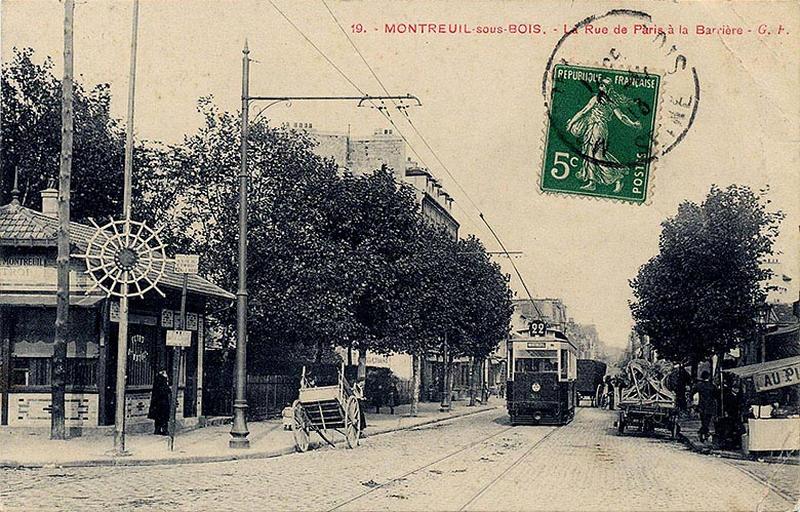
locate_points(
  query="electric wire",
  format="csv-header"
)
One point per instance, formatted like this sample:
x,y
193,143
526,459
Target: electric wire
x,y
433,152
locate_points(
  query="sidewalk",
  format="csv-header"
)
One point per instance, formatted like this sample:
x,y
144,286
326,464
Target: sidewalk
x,y
689,435
26,448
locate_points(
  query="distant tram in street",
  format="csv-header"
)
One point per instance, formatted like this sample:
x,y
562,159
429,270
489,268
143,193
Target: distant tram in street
x,y
542,369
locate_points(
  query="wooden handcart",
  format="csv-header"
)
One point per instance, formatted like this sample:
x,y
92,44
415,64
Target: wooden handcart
x,y
323,408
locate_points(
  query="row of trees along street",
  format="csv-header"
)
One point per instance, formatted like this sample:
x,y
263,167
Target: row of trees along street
x,y
333,259
703,292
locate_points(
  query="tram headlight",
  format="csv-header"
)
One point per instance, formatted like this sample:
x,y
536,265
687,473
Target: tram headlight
x,y
536,387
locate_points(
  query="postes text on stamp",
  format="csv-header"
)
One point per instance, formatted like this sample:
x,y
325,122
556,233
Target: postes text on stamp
x,y
600,134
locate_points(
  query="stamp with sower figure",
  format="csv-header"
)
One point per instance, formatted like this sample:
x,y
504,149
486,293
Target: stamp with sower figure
x,y
600,134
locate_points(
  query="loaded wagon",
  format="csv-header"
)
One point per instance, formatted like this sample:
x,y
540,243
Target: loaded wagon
x,y
322,409
646,403
590,380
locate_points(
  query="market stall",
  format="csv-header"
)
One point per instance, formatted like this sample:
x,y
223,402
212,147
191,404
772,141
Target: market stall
x,y
776,426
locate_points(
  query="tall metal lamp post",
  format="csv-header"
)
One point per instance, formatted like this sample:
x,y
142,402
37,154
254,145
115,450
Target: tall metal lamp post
x,y
239,430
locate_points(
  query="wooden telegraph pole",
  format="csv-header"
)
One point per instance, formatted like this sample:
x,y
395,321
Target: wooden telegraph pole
x,y
122,337
57,427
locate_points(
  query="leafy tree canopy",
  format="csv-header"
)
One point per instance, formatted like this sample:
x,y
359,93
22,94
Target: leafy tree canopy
x,y
702,293
31,131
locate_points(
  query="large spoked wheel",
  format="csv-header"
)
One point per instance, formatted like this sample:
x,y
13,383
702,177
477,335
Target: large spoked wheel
x,y
352,422
299,428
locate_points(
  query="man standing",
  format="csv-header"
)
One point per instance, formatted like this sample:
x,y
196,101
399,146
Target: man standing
x,y
160,403
707,403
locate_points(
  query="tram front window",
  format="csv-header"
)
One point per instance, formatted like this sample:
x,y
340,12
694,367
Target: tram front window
x,y
545,361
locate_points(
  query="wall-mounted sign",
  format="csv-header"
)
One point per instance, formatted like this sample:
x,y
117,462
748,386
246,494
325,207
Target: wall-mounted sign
x,y
166,318
176,338
113,311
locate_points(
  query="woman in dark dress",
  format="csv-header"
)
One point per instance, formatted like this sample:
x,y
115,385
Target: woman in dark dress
x,y
160,402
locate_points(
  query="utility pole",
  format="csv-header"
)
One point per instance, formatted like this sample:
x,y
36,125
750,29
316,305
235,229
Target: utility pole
x,y
57,426
122,337
239,430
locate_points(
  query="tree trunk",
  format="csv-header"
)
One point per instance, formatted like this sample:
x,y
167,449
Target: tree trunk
x,y
449,379
473,385
484,366
416,366
446,385
362,365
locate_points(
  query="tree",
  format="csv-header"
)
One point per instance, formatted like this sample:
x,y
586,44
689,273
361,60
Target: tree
x,y
296,305
31,128
374,224
702,293
483,302
426,309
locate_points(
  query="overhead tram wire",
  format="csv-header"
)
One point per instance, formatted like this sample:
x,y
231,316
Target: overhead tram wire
x,y
380,109
433,152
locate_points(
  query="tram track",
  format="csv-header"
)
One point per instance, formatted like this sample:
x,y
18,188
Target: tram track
x,y
508,469
451,457
405,475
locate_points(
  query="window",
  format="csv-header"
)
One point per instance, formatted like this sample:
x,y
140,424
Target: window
x,y
541,361
564,363
37,371
30,371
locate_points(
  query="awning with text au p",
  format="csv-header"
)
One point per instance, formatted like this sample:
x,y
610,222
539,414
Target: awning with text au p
x,y
771,374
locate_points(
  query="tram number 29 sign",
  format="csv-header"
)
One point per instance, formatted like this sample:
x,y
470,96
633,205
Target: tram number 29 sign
x,y
537,328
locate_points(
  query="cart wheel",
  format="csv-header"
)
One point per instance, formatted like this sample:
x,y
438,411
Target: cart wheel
x,y
299,430
352,422
621,423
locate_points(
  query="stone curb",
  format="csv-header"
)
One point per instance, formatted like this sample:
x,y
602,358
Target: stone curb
x,y
695,447
200,459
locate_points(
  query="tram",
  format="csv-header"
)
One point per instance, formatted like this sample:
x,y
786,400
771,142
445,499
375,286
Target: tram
x,y
542,369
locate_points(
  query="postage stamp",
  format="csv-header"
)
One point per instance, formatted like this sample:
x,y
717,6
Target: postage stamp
x,y
601,132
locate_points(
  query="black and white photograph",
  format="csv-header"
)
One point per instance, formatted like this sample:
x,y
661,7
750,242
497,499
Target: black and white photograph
x,y
399,255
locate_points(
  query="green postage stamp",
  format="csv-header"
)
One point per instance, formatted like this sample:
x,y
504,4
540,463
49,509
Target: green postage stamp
x,y
600,135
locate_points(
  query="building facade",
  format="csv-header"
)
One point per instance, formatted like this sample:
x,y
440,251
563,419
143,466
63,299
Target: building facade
x,y
28,278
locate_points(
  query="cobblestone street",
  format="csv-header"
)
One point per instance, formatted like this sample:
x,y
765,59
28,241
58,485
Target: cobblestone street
x,y
473,463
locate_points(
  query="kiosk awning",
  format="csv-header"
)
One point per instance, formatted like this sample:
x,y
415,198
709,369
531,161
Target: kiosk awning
x,y
47,299
772,374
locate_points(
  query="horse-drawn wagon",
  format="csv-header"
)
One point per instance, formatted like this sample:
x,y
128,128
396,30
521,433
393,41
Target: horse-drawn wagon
x,y
646,402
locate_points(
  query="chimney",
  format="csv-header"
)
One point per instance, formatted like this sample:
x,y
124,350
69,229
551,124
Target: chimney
x,y
50,200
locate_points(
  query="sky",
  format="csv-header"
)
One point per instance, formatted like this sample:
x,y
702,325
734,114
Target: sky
x,y
482,112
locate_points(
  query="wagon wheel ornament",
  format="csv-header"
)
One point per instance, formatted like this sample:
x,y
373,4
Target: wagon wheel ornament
x,y
125,258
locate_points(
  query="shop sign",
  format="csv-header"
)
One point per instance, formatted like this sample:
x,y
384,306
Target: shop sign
x,y
138,348
187,263
777,378
176,338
